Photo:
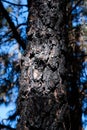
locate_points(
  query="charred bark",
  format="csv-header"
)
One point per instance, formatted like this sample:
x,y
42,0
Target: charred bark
x,y
42,102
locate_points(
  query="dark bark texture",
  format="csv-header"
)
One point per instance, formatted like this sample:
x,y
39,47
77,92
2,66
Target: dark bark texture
x,y
42,102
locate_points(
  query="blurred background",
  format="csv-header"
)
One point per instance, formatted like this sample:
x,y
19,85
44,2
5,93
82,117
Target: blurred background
x,y
10,55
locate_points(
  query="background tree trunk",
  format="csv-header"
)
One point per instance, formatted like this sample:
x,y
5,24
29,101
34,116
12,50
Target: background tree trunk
x,y
42,102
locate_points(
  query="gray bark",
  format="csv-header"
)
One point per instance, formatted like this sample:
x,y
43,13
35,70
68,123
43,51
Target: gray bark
x,y
42,102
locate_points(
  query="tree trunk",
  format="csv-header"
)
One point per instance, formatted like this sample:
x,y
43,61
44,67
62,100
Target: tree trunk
x,y
42,102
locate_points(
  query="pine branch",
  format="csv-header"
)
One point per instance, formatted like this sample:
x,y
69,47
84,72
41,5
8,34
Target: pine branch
x,y
81,55
16,35
10,31
13,3
75,6
7,127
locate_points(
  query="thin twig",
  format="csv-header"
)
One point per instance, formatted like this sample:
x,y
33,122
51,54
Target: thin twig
x,y
75,6
7,33
7,127
13,3
12,26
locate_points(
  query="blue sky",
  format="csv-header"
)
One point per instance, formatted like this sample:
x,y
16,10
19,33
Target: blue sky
x,y
12,49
